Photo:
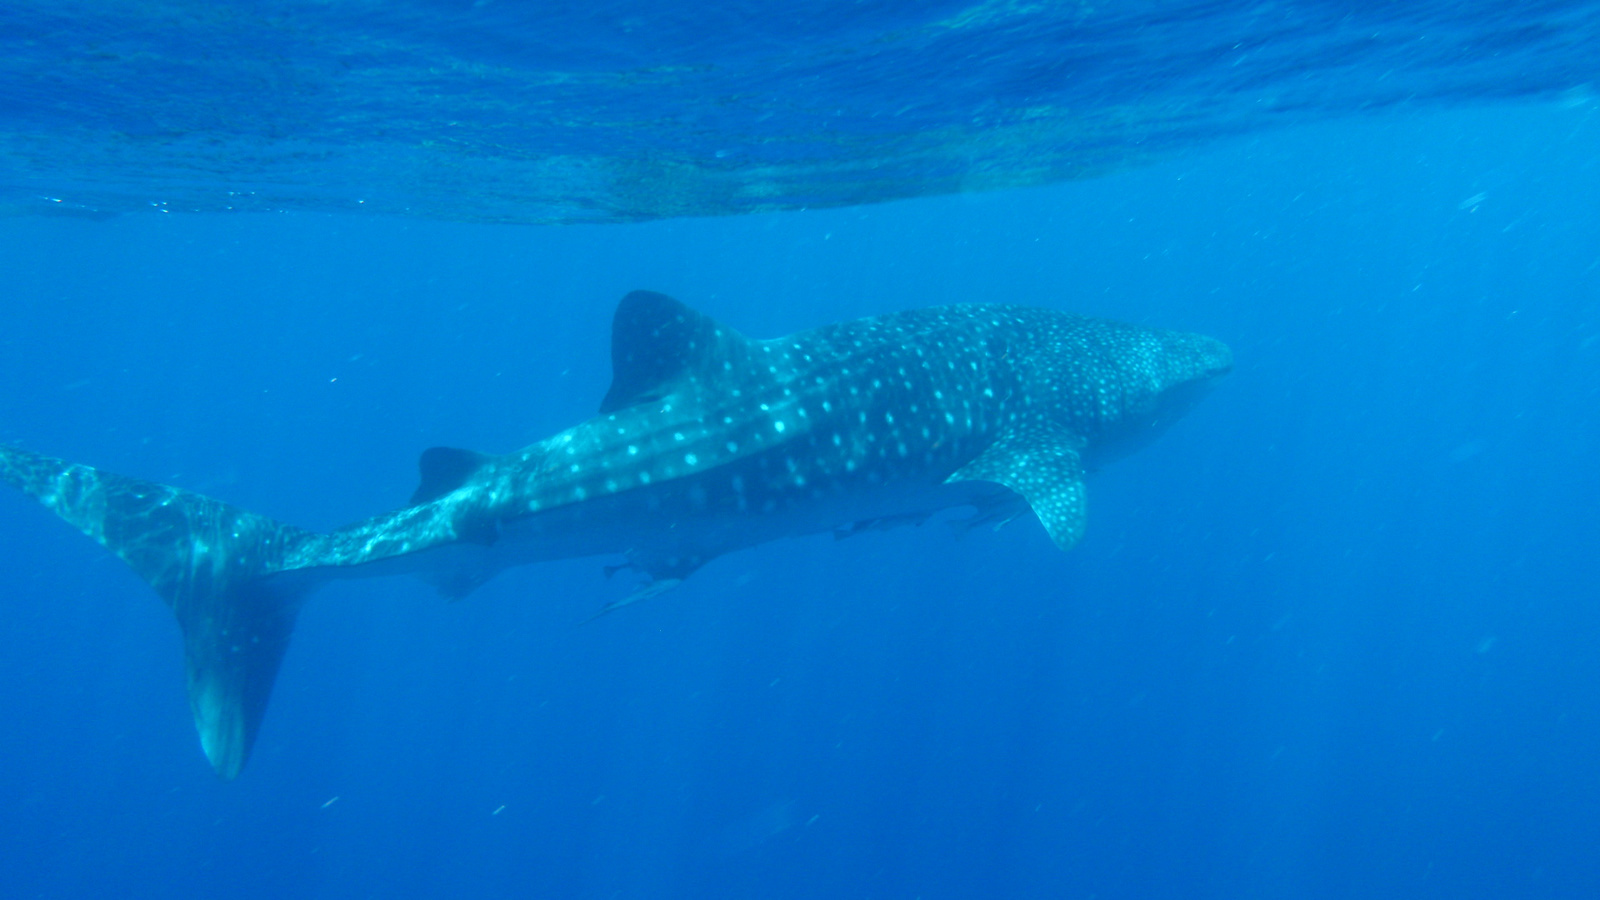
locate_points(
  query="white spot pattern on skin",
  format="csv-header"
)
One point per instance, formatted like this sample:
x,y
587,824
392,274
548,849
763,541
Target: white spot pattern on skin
x,y
946,386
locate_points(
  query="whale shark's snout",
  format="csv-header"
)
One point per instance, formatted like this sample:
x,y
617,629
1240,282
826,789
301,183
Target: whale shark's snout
x,y
1195,358
1217,357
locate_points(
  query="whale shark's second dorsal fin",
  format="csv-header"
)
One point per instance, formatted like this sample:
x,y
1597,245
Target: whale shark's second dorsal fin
x,y
656,342
443,469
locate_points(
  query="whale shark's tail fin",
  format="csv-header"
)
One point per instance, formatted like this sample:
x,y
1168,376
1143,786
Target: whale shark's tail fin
x,y
227,574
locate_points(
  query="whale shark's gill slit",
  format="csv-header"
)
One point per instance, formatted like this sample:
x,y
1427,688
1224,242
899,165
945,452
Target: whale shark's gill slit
x,y
223,571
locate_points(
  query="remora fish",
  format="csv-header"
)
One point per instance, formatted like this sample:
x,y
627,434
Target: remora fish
x,y
708,441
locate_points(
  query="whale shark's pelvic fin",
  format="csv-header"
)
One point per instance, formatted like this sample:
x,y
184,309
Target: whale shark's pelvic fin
x,y
222,570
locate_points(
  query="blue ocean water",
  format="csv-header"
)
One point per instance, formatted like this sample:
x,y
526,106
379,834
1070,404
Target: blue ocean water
x,y
1334,635
617,110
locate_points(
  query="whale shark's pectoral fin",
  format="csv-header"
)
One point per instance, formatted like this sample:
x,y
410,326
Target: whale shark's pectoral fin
x,y
1046,469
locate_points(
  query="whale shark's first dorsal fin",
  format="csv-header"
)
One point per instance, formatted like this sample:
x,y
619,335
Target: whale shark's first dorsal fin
x,y
657,341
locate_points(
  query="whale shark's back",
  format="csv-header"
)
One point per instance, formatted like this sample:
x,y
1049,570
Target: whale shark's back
x,y
221,569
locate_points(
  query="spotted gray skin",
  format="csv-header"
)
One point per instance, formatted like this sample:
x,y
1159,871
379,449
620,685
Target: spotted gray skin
x,y
707,442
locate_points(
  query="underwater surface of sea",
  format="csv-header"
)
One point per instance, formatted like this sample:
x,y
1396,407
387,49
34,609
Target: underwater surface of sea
x,y
1335,634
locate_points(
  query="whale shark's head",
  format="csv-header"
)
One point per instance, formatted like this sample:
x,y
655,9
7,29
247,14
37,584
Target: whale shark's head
x,y
1194,363
1182,369
1187,359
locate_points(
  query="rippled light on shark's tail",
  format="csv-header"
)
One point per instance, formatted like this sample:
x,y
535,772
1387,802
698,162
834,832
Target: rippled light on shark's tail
x,y
226,574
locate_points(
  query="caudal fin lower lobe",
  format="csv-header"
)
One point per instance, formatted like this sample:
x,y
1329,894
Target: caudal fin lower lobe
x,y
227,575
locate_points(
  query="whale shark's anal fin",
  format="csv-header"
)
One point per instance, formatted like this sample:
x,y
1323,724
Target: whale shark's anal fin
x,y
1045,468
225,572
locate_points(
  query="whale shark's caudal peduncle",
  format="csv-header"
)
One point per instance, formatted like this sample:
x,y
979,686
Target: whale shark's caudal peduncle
x,y
707,442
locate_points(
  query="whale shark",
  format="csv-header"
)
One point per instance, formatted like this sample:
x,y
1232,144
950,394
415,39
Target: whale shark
x,y
707,442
